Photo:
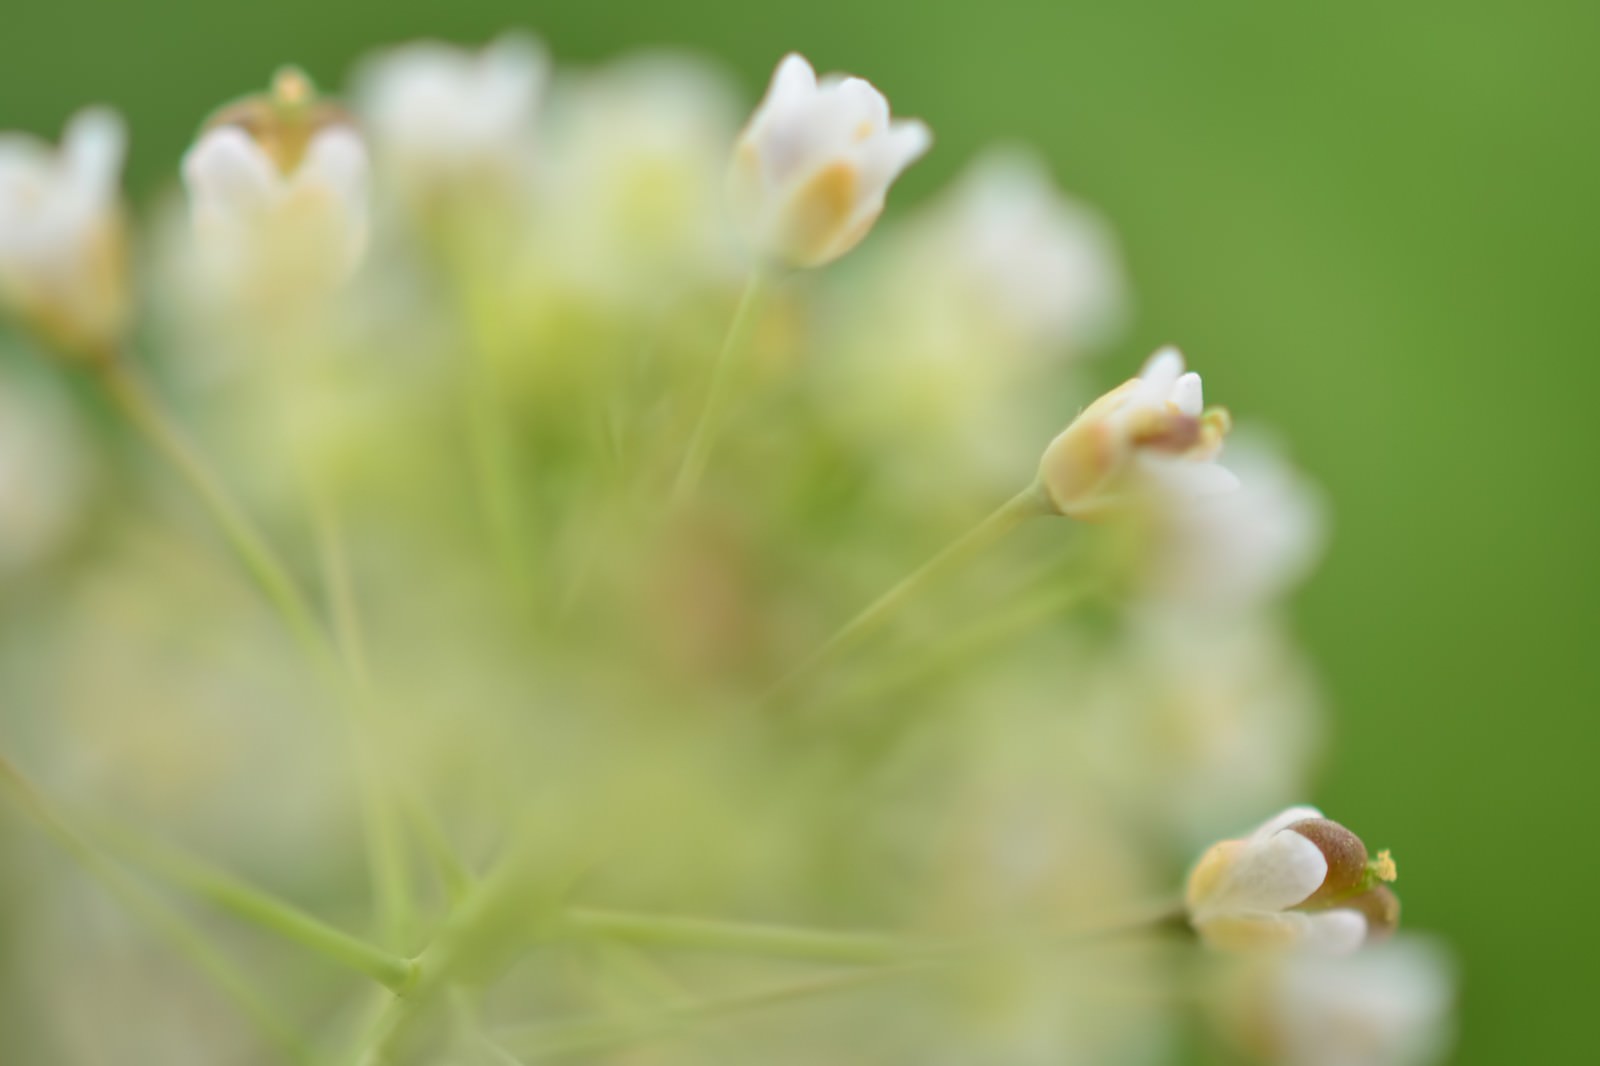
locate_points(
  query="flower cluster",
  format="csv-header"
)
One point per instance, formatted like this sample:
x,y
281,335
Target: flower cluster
x,y
613,592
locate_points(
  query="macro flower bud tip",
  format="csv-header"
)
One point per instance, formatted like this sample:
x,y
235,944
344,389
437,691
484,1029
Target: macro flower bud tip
x,y
1298,880
1155,425
280,177
812,167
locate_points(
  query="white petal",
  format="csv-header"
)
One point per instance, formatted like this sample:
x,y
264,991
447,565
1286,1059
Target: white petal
x,y
1335,932
1162,370
227,171
865,110
1187,395
1284,820
336,159
794,80
93,147
1268,875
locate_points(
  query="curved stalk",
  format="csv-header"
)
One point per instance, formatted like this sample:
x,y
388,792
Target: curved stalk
x,y
704,436
1029,503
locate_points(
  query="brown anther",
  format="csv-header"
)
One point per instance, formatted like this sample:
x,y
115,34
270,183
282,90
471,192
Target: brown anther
x,y
1346,856
284,121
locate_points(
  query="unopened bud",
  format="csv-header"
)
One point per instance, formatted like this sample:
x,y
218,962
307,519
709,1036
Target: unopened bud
x,y
1159,417
63,270
812,168
278,189
1299,879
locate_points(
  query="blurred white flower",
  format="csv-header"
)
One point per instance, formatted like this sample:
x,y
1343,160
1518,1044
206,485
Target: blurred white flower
x,y
62,268
1387,1006
1150,430
635,154
445,120
1009,242
1242,549
43,472
278,191
1297,881
812,168
1197,728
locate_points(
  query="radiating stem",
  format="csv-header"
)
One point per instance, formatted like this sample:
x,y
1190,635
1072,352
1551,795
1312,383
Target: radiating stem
x,y
704,436
229,893
386,855
273,577
260,561
744,937
583,1035
1030,503
154,912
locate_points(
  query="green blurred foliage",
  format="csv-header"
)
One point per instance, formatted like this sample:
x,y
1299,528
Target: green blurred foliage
x,y
1373,225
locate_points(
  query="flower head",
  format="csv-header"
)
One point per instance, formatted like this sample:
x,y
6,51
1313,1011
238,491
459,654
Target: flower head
x,y
443,119
1155,425
1388,1006
812,168
278,187
62,268
1298,880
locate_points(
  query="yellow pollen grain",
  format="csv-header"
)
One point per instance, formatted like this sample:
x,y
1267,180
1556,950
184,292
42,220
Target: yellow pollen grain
x,y
1384,866
290,87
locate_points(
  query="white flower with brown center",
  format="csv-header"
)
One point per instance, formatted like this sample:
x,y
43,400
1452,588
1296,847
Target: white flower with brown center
x,y
1299,880
1151,431
812,167
62,269
278,189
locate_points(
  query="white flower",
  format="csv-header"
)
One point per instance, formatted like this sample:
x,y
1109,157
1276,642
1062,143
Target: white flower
x,y
1388,1006
633,161
278,191
1154,426
1197,728
811,169
1046,268
61,237
1239,550
1297,881
442,118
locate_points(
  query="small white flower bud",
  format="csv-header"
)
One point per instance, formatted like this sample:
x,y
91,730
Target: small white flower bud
x,y
812,168
62,265
1155,426
1297,881
278,189
446,121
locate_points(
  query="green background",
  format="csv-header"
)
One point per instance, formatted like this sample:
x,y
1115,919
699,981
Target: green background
x,y
1373,224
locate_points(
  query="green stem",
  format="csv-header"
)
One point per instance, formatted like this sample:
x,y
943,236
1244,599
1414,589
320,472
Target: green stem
x,y
490,441
753,938
579,1036
965,648
228,893
1029,503
385,849
153,912
260,561
703,439
512,902
145,413
583,1035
